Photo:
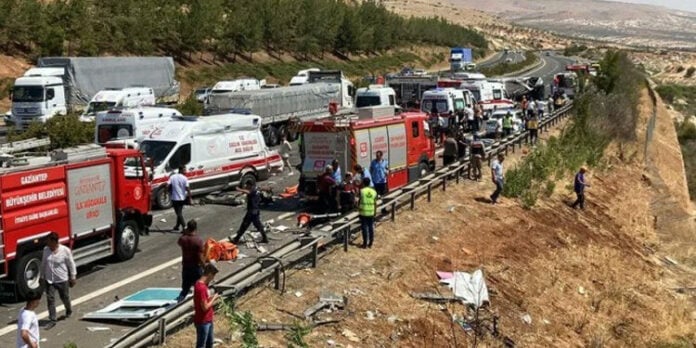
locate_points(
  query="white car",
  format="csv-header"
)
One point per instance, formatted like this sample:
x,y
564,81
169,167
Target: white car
x,y
494,123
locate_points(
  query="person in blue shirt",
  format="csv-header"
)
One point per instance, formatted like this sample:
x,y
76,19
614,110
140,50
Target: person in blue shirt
x,y
379,169
338,178
580,188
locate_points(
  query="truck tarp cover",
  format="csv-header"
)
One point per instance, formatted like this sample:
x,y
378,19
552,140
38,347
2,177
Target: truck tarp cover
x,y
279,102
85,76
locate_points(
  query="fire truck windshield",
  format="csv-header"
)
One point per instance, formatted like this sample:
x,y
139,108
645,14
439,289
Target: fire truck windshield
x,y
157,151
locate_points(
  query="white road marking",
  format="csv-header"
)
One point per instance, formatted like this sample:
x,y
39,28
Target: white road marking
x,y
102,291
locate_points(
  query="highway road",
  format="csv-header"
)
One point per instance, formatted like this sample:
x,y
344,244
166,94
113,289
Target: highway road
x,y
157,264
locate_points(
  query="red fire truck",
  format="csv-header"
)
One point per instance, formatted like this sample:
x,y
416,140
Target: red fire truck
x,y
96,200
354,139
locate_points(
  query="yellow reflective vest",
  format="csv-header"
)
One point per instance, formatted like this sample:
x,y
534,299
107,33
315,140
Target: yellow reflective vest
x,y
368,201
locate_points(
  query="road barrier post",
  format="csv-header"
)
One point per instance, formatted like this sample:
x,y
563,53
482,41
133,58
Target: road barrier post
x,y
429,192
346,237
393,211
413,200
444,183
162,331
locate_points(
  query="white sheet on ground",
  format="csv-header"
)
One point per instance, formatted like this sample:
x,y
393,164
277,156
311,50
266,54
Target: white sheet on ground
x,y
470,287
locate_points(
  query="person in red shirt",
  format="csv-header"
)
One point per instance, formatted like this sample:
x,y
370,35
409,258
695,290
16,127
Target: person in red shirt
x,y
192,258
203,307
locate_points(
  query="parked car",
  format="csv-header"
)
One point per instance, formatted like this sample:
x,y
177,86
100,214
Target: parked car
x,y
494,123
202,93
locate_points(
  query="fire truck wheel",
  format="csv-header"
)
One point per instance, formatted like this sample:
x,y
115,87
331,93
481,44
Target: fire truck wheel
x,y
162,198
127,241
423,169
27,276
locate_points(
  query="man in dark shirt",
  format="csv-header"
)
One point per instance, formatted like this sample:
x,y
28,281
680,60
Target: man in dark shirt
x,y
580,188
253,214
192,258
326,186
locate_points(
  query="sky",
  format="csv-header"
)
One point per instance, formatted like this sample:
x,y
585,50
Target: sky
x,y
687,5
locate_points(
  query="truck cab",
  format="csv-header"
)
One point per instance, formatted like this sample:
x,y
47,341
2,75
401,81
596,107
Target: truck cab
x,y
118,98
37,96
128,127
243,84
302,77
375,95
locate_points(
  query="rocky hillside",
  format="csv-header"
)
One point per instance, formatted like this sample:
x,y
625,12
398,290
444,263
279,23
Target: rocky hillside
x,y
621,23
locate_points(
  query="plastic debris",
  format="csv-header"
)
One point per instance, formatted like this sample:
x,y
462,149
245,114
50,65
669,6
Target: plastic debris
x,y
298,293
527,319
98,328
370,316
581,290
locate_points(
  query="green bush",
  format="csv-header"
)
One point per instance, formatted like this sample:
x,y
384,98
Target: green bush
x,y
64,131
190,106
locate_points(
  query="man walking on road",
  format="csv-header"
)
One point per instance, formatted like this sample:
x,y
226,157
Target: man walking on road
x,y
203,306
58,274
179,192
379,169
192,258
580,188
285,150
497,177
253,214
367,206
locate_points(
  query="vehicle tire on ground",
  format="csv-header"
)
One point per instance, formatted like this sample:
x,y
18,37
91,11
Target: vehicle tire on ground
x,y
246,180
28,273
127,239
163,199
423,170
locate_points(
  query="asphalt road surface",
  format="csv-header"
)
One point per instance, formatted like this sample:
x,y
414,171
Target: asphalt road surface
x,y
157,264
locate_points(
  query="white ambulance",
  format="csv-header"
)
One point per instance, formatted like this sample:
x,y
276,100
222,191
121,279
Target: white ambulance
x,y
125,128
111,98
219,152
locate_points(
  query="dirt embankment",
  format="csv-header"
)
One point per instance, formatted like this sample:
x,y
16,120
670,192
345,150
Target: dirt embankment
x,y
557,277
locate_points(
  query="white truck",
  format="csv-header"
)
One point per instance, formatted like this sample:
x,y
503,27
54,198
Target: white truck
x,y
282,108
302,77
126,128
59,85
218,151
491,94
375,95
113,98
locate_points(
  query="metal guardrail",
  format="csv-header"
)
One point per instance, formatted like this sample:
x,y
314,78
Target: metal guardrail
x,y
307,246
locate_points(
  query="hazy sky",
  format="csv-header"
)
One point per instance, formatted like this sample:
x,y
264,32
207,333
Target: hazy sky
x,y
688,5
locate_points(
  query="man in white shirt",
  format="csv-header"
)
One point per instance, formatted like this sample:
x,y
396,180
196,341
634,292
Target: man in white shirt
x,y
498,177
179,192
58,274
285,150
28,323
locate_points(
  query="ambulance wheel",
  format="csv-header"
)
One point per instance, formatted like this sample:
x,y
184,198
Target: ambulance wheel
x,y
423,170
162,199
28,273
247,180
127,240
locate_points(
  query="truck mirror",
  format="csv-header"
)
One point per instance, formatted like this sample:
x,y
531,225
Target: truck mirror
x,y
50,93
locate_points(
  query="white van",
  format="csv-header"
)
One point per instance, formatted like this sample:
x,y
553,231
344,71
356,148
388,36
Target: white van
x,y
445,100
302,77
118,98
218,151
128,126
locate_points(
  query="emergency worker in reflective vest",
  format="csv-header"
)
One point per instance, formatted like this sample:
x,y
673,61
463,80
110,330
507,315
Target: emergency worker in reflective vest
x,y
367,208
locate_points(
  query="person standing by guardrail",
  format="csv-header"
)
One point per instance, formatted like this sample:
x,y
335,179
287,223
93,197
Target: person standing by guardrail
x,y
449,155
533,128
476,153
360,174
58,274
180,192
579,186
367,207
507,124
192,258
540,108
203,305
379,169
523,106
497,177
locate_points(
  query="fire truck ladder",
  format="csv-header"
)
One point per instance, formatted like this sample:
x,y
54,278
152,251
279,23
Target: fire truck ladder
x,y
28,160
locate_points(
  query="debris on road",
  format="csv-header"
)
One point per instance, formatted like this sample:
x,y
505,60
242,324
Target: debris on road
x,y
471,288
98,328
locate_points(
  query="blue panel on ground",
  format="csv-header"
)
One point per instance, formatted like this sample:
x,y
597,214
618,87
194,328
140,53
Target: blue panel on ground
x,y
154,294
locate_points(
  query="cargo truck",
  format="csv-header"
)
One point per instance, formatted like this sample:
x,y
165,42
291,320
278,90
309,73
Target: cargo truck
x,y
461,59
86,195
112,98
59,85
409,89
280,108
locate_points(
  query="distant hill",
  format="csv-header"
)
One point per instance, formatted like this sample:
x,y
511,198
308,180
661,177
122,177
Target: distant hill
x,y
622,23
